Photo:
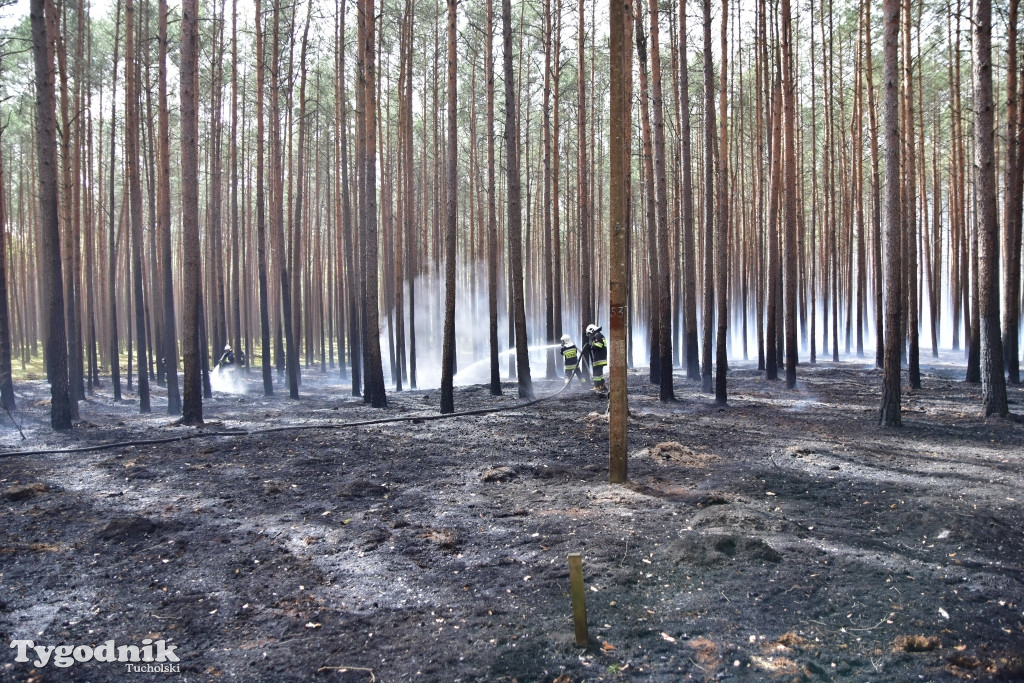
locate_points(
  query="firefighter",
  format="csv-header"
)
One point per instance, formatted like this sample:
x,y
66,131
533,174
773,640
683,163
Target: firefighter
x,y
227,359
571,356
596,349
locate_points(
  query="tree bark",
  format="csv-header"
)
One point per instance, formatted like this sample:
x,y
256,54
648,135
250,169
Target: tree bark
x,y
790,186
620,71
665,392
297,224
689,266
115,361
261,214
722,237
374,377
890,413
515,210
451,220
132,157
585,219
650,213
993,382
1013,195
43,22
910,208
6,383
192,396
709,203
492,215
170,347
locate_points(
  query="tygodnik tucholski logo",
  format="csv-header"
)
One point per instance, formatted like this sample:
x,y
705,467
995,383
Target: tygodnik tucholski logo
x,y
152,656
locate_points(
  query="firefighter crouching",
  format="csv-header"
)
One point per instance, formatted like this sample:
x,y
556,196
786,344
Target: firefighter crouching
x,y
596,349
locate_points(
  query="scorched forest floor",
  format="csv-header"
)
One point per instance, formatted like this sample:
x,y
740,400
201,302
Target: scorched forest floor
x,y
783,537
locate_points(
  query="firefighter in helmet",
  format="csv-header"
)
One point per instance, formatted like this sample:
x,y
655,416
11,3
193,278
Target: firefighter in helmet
x,y
571,356
227,359
596,349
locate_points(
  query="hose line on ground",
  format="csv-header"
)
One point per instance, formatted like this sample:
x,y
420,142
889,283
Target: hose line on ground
x,y
289,428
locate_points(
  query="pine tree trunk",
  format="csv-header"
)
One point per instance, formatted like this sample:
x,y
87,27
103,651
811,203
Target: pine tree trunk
x,y
192,396
43,34
1013,195
6,383
585,219
774,283
492,216
297,224
666,392
374,377
261,214
115,361
620,72
69,226
910,208
890,413
451,221
709,204
135,202
548,256
236,256
515,211
689,284
790,186
722,236
650,213
993,381
163,227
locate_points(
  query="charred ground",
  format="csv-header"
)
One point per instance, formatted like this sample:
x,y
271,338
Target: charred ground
x,y
784,536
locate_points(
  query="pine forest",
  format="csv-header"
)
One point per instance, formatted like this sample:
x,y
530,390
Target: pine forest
x,y
406,300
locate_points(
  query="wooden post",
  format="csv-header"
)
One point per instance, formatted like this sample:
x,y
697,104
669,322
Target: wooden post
x,y
579,599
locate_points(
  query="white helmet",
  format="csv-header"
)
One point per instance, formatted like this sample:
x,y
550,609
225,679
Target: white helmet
x,y
566,340
227,347
591,328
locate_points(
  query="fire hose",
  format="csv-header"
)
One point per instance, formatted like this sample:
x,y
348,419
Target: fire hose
x,y
416,419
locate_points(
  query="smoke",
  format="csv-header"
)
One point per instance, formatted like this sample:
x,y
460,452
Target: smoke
x,y
472,331
227,380
472,334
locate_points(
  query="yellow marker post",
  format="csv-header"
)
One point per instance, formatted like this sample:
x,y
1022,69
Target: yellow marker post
x,y
579,599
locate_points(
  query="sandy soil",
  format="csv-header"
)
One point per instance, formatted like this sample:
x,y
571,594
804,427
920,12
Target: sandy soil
x,y
783,537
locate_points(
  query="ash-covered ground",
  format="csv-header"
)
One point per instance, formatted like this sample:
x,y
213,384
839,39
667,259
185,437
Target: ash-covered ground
x,y
783,537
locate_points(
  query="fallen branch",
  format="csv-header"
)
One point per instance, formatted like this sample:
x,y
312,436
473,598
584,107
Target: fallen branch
x,y
872,628
348,668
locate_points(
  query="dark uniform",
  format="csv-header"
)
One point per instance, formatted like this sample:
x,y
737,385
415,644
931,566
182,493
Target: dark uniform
x,y
571,356
227,360
597,351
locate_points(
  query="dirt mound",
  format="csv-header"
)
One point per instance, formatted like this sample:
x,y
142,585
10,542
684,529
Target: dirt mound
x,y
494,475
713,549
126,529
361,489
16,493
373,537
676,453
734,517
917,643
